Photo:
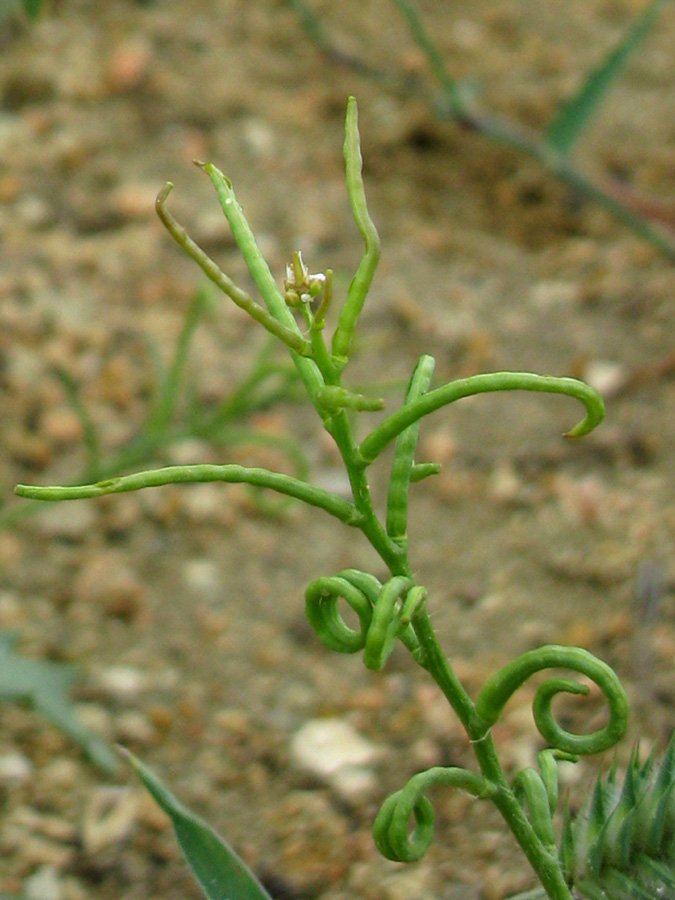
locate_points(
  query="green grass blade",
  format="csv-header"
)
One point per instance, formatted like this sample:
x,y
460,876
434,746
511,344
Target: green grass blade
x,y
217,868
89,435
170,385
45,686
568,126
423,40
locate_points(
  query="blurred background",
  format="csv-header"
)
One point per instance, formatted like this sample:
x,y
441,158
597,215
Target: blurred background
x,y
183,608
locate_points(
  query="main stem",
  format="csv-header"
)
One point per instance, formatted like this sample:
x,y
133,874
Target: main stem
x,y
544,863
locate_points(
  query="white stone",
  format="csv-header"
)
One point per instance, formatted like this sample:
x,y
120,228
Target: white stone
x,y
335,753
121,683
44,884
321,746
15,768
109,818
605,376
354,784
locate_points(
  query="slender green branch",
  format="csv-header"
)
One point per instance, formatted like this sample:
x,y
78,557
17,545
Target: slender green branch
x,y
378,439
282,484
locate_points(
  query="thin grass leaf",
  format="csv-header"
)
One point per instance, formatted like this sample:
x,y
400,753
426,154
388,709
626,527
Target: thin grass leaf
x,y
568,126
218,869
89,434
422,38
311,23
45,686
170,384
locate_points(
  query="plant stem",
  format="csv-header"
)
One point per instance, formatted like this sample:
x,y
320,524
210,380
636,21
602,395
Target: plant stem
x,y
544,862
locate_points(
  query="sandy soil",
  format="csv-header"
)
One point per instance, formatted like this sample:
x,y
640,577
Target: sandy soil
x,y
183,608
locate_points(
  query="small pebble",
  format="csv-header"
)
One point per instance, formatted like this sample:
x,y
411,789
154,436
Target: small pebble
x,y
109,582
45,884
109,818
322,746
546,294
61,426
505,486
129,65
135,727
335,753
15,768
60,775
121,683
607,377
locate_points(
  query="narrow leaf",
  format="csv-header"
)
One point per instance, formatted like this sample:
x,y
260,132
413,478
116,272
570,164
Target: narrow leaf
x,y
567,127
220,872
45,686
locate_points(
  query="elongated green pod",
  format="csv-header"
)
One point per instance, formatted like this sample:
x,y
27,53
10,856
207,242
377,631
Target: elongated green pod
x,y
276,481
260,272
358,289
387,431
285,331
404,456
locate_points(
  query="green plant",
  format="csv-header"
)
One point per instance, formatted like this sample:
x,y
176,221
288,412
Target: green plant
x,y
456,101
621,845
45,686
395,608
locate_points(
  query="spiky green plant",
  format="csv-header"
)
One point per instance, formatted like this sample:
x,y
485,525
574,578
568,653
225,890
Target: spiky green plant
x,y
621,844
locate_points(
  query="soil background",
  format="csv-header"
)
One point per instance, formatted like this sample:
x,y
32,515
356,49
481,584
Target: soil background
x,y
183,608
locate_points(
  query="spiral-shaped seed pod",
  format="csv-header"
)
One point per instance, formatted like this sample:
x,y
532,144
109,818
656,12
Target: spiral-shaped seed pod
x,y
391,830
499,689
384,612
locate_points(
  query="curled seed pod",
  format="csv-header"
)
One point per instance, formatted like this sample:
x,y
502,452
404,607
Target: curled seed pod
x,y
501,686
321,605
391,830
384,612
